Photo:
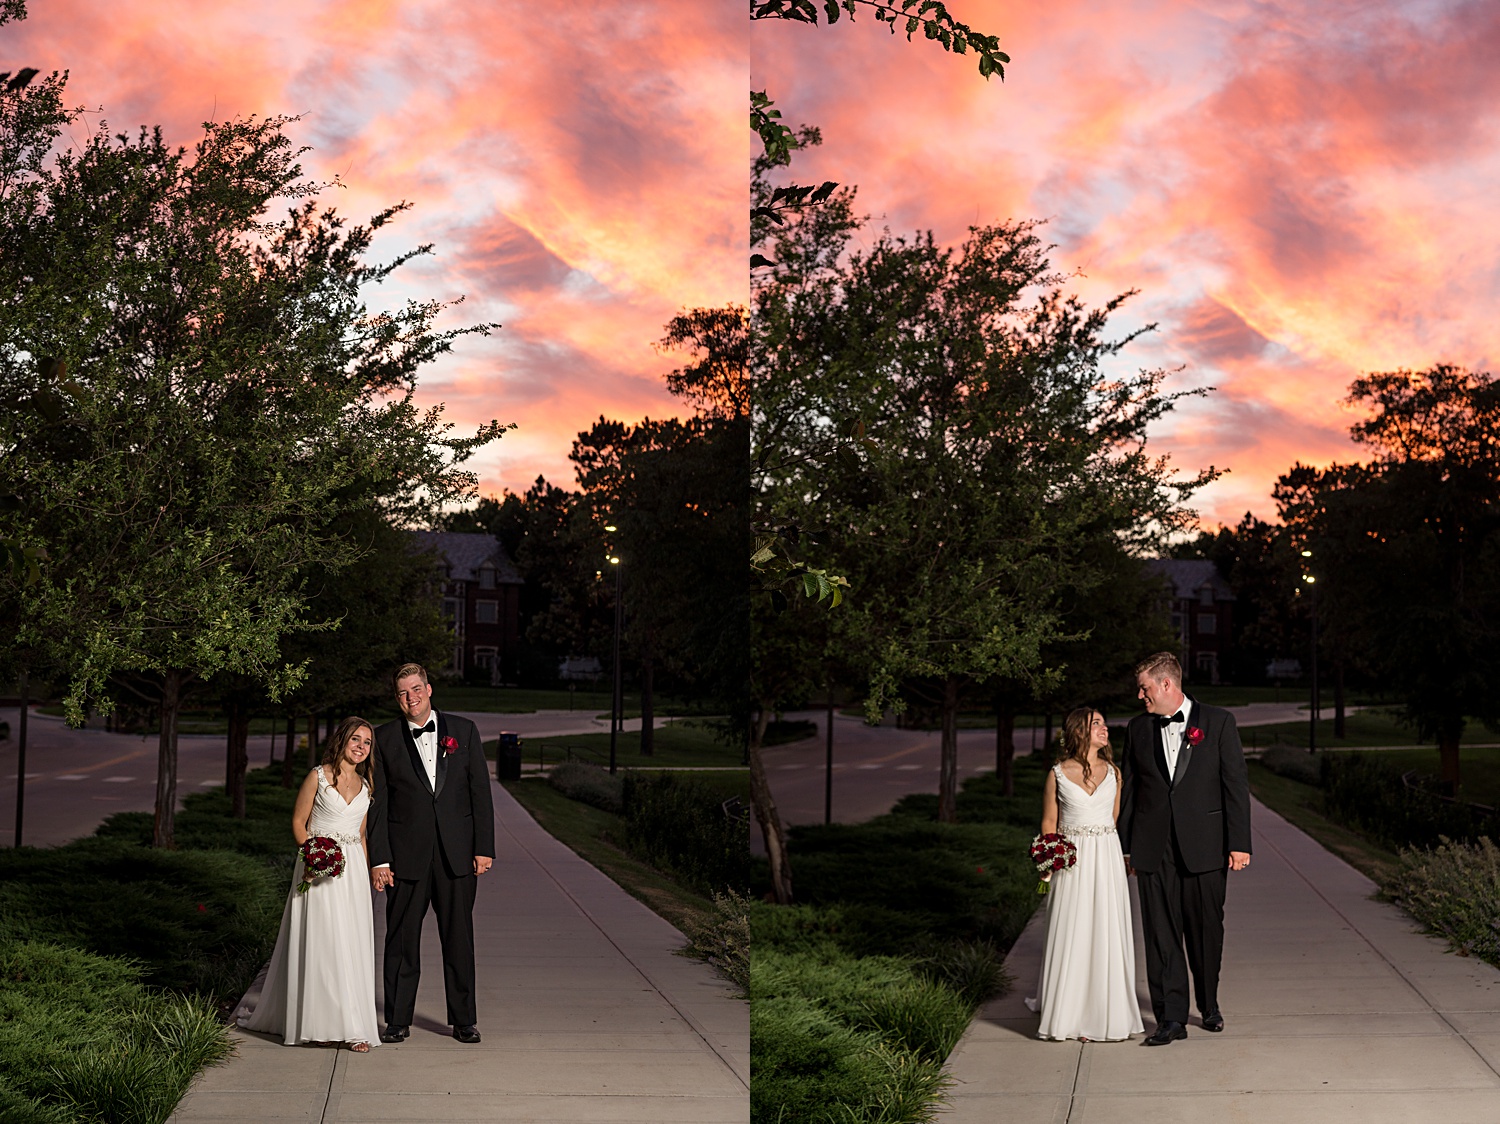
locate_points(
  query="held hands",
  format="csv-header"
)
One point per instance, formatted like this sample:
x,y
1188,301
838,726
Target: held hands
x,y
482,863
1239,860
381,877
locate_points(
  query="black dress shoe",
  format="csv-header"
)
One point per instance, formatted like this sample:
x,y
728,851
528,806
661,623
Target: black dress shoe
x,y
1213,1021
468,1034
1166,1033
394,1033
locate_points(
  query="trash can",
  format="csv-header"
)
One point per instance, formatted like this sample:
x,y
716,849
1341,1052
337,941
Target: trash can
x,y
508,757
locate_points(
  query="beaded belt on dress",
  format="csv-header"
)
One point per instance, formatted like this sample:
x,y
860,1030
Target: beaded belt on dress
x,y
1087,829
347,839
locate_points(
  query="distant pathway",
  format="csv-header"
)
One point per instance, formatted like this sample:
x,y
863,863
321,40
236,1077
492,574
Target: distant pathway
x,y
586,1013
1337,1011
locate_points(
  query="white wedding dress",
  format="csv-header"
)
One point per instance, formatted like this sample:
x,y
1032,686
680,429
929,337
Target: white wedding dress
x,y
320,986
1087,987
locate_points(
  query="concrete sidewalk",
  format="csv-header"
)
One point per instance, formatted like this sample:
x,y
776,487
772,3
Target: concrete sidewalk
x,y
586,1013
1337,1011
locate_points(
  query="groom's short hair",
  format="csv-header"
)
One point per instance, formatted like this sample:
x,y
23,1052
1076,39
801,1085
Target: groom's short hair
x,y
408,669
1161,665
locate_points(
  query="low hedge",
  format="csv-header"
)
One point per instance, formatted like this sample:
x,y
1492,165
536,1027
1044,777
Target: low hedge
x,y
678,825
1367,794
860,991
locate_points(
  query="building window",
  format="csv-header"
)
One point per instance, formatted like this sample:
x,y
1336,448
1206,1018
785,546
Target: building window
x,y
486,612
1177,623
485,657
487,577
1208,624
1208,665
450,608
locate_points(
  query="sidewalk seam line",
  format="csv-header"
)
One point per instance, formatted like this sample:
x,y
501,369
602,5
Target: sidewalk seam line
x,y
685,1016
1373,946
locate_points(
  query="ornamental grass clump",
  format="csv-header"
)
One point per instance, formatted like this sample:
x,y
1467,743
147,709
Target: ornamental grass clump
x,y
1454,891
723,938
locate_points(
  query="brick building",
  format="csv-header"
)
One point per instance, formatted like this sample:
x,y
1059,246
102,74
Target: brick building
x,y
481,599
1200,604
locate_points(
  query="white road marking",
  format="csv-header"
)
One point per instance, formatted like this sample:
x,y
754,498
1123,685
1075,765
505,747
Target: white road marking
x,y
796,766
205,784
877,765
118,780
72,777
908,766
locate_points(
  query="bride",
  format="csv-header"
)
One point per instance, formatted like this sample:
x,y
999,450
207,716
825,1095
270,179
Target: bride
x,y
320,986
1087,987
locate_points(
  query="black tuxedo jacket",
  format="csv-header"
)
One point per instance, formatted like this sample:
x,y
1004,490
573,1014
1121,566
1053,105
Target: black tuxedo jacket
x,y
409,817
1207,805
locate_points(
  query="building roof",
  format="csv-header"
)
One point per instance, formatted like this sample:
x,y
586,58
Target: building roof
x,y
1189,575
466,554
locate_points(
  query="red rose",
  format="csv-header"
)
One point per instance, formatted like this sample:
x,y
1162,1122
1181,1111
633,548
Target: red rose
x,y
1194,735
451,743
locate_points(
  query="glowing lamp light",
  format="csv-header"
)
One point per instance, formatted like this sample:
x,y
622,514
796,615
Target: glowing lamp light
x,y
1307,554
1308,578
613,561
610,527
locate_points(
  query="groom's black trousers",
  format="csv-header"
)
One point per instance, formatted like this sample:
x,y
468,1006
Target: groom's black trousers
x,y
1179,908
452,900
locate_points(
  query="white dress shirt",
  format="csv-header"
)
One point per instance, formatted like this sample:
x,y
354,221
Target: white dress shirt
x,y
427,748
1174,734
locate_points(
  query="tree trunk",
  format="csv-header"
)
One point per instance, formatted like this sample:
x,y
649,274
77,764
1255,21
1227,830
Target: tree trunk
x,y
770,826
288,750
648,708
312,741
166,761
239,758
1448,758
1005,747
948,765
1338,697
1047,735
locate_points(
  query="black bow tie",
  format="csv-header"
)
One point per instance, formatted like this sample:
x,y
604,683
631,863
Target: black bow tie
x,y
1165,722
431,727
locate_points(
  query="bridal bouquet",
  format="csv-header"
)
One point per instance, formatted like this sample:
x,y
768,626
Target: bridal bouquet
x,y
320,856
1051,852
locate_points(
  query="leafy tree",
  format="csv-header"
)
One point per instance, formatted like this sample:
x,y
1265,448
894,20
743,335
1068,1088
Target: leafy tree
x,y
1406,548
237,400
996,455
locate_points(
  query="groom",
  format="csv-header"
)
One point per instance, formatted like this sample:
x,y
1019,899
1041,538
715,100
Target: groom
x,y
1184,818
432,833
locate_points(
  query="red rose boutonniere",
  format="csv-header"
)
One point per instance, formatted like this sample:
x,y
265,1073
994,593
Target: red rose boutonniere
x,y
450,744
1194,735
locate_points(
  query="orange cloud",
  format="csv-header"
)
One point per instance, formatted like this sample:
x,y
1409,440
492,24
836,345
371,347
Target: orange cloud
x,y
1301,191
581,172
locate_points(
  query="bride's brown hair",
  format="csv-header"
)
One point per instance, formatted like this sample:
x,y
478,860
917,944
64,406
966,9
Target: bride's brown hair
x,y
1076,735
333,750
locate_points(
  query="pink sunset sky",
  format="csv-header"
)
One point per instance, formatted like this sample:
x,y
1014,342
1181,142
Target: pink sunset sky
x,y
580,168
1301,191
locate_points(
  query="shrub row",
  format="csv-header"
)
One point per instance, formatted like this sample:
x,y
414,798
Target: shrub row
x,y
679,825
1368,795
860,992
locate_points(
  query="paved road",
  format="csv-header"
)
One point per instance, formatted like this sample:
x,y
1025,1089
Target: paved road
x,y
1337,1011
76,778
586,1013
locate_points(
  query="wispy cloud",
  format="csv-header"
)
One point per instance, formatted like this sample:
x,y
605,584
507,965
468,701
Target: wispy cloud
x,y
580,169
1301,190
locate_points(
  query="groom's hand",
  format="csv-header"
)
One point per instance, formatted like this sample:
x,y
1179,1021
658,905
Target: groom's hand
x,y
381,877
1239,860
482,863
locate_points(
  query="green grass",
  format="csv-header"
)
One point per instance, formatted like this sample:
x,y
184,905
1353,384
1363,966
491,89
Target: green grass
x,y
117,960
860,991
1302,806
686,742
1375,727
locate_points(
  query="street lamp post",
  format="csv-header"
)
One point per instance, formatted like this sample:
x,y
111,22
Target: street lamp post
x,y
1312,722
616,708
